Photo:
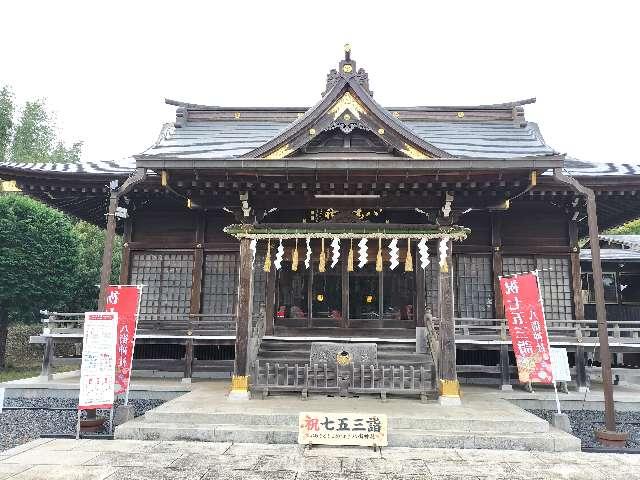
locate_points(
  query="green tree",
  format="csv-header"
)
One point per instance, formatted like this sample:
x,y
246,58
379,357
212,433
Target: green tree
x,y
38,257
7,111
90,240
630,228
34,135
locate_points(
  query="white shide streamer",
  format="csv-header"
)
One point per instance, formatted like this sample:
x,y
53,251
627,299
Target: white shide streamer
x,y
335,255
362,252
252,247
393,254
442,248
307,258
279,254
423,250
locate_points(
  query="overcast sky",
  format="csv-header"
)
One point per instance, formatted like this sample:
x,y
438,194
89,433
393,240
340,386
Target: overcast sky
x,y
106,67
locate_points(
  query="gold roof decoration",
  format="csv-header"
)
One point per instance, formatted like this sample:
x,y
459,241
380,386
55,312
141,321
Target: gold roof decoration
x,y
414,153
279,153
347,102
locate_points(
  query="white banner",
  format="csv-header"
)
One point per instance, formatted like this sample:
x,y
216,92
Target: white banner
x,y
560,365
97,373
1,399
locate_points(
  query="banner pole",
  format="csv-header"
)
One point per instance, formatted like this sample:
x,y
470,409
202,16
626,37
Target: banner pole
x,y
78,425
555,389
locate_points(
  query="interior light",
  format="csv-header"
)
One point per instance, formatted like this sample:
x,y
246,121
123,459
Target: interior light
x,y
369,299
320,297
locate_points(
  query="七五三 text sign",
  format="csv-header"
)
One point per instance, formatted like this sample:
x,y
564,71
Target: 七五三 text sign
x,y
342,429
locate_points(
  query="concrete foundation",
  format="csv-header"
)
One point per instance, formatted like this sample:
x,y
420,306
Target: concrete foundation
x,y
205,414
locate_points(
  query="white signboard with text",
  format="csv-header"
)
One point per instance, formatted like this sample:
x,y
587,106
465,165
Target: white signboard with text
x,y
342,429
97,373
560,365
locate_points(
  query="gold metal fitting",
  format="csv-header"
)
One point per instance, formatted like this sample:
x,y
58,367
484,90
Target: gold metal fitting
x,y
236,115
347,47
164,178
381,131
239,383
460,114
396,114
450,388
347,68
312,131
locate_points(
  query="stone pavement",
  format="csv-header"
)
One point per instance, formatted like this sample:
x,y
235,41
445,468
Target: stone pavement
x,y
135,459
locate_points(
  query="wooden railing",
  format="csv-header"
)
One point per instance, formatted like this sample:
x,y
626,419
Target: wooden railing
x,y
148,324
343,380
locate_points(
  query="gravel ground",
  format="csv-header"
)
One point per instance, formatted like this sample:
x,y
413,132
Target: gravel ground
x,y
585,422
20,426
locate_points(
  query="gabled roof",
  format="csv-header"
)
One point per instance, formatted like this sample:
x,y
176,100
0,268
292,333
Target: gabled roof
x,y
204,132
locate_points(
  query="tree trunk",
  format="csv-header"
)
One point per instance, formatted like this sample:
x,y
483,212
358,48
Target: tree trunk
x,y
4,329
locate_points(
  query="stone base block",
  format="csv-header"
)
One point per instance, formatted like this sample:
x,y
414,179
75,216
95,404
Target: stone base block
x,y
449,401
123,414
239,395
561,422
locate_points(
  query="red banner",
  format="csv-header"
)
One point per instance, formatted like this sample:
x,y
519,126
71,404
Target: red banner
x,y
124,299
523,309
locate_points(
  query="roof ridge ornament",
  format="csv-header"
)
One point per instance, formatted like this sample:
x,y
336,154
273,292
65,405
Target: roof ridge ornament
x,y
347,69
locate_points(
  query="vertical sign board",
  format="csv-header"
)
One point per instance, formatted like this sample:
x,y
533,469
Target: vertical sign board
x,y
527,327
97,372
125,300
342,429
560,365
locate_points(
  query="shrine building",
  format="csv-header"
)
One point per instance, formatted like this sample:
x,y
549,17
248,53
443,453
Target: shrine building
x,y
262,234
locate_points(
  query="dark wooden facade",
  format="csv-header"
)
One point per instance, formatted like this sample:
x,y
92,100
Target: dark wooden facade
x,y
481,167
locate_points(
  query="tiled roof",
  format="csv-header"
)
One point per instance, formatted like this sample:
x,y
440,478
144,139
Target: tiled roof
x,y
612,254
630,241
110,168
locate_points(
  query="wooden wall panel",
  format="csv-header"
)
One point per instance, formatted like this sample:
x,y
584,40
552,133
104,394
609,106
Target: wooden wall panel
x,y
165,225
531,229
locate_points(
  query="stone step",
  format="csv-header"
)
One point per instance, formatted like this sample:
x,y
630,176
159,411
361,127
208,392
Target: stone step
x,y
553,440
399,423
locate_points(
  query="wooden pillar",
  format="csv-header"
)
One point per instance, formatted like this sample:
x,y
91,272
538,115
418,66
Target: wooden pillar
x,y
344,282
196,295
107,254
126,252
449,385
496,259
270,301
47,358
240,380
578,305
609,434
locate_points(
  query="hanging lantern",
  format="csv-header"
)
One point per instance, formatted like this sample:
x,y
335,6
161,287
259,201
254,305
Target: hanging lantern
x,y
408,259
279,254
335,253
350,257
267,258
393,254
323,259
294,258
379,256
362,252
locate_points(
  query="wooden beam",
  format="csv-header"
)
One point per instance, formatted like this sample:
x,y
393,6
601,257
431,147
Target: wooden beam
x,y
576,280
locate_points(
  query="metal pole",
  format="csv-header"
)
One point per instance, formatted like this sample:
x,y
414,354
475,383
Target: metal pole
x,y
609,434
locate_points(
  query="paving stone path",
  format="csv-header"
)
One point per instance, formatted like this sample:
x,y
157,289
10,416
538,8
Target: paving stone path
x,y
136,460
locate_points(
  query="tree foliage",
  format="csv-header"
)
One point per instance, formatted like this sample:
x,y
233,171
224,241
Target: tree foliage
x,y
630,228
7,111
32,138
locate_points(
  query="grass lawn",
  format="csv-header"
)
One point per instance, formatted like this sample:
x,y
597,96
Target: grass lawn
x,y
16,373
